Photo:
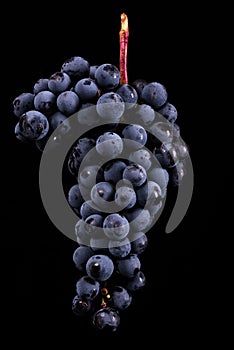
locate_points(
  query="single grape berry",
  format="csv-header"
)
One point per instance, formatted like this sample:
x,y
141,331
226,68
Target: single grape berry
x,y
92,222
149,194
89,175
129,266
119,249
33,125
136,282
87,89
161,177
107,76
110,106
78,152
136,133
80,306
56,119
135,173
76,67
109,144
81,256
125,197
99,267
169,112
68,102
88,208
120,298
113,170
167,155
139,242
45,102
102,193
128,94
106,319
139,218
40,85
145,113
142,157
59,82
23,103
87,287
75,198
154,94
116,226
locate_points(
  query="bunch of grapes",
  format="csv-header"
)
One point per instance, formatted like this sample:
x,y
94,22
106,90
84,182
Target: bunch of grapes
x,y
121,168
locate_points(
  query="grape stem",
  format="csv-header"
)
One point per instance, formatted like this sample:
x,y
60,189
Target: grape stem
x,y
123,40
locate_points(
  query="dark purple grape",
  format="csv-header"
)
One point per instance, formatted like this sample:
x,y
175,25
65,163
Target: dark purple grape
x,y
23,103
109,144
120,298
113,170
148,194
146,114
59,82
81,306
75,198
177,174
139,242
116,226
92,71
137,133
19,135
110,107
169,112
81,256
68,102
45,102
139,218
91,223
139,84
82,237
167,155
102,193
99,267
56,119
128,94
76,67
88,208
161,177
106,319
33,125
87,114
78,152
135,174
87,90
142,157
129,266
136,282
125,197
40,85
90,175
154,94
119,249
87,288
107,76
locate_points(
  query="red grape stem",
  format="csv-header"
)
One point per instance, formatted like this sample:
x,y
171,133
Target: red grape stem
x,y
123,40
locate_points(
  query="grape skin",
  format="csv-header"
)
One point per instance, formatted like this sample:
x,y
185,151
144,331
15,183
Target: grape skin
x,y
23,103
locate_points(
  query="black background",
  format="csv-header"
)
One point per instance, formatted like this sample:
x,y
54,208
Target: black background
x,y
164,46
